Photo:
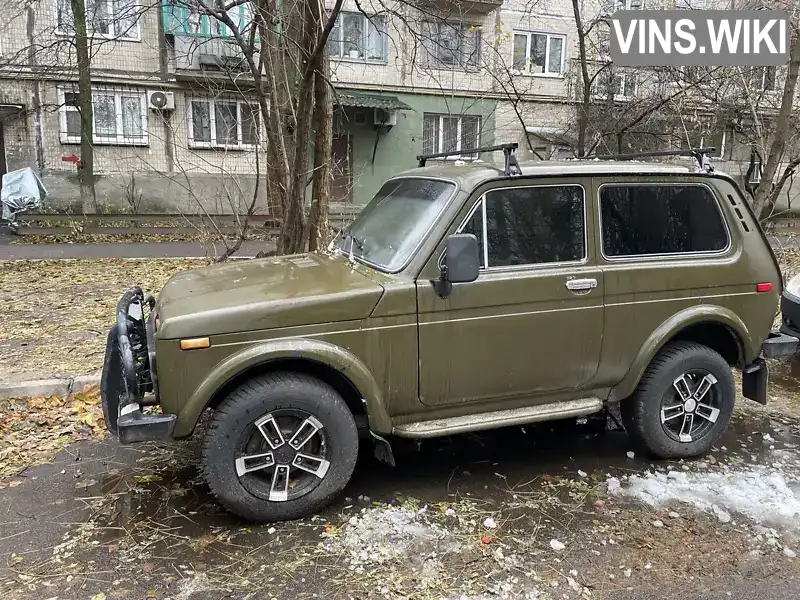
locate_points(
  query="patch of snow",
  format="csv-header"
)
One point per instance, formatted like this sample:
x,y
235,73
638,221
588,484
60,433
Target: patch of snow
x,y
196,585
489,523
631,453
762,495
613,485
789,552
556,545
582,473
382,534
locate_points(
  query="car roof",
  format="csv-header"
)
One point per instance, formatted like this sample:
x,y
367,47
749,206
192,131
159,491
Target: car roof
x,y
475,173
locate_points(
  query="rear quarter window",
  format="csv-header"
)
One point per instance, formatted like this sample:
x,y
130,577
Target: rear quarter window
x,y
653,219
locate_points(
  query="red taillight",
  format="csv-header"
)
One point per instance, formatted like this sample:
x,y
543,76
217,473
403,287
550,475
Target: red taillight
x,y
763,287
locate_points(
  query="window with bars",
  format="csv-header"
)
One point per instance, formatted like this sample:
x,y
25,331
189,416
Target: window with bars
x,y
539,53
358,37
119,117
107,18
222,123
450,45
450,133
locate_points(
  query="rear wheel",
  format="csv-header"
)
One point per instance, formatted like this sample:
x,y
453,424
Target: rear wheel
x,y
683,403
280,447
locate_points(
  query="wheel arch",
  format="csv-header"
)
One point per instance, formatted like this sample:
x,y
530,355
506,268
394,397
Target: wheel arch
x,y
717,327
332,364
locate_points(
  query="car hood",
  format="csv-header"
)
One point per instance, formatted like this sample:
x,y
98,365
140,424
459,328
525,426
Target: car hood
x,y
249,295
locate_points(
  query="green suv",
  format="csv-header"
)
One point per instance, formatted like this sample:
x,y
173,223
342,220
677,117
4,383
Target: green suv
x,y
463,297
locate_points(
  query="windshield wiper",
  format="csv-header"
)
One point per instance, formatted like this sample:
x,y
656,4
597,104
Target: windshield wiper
x,y
353,241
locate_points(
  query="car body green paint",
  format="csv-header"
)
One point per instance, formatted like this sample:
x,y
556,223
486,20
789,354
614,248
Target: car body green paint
x,y
261,354
510,339
669,329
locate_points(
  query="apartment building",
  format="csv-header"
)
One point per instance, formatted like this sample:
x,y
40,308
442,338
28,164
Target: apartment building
x,y
176,128
170,110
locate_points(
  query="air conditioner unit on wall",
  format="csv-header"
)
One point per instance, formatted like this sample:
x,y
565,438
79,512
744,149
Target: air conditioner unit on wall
x,y
158,100
385,117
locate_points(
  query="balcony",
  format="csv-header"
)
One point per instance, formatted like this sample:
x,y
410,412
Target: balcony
x,y
461,7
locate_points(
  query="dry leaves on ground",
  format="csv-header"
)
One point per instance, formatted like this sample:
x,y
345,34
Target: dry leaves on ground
x,y
33,430
69,236
56,314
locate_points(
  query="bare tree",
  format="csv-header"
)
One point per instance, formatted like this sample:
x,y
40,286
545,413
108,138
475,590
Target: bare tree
x,y
86,162
767,193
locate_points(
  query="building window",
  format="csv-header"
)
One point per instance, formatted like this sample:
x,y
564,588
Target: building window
x,y
223,124
450,45
621,85
185,17
120,117
612,6
107,18
539,53
755,176
641,220
358,37
764,79
450,133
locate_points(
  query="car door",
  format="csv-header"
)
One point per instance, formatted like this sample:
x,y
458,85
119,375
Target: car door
x,y
532,323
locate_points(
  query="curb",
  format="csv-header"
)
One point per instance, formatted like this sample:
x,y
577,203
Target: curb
x,y
47,387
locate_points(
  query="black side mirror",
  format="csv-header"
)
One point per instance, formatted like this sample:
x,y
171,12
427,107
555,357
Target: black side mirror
x,y
461,264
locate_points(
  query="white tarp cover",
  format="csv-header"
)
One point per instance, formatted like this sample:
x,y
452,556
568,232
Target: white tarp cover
x,y
22,190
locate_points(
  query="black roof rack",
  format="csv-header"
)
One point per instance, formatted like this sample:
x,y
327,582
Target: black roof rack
x,y
511,167
699,154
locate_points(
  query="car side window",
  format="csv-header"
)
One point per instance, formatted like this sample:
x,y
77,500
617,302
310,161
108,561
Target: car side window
x,y
642,220
535,225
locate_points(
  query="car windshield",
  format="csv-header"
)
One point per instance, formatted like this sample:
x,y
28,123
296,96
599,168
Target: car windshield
x,y
394,222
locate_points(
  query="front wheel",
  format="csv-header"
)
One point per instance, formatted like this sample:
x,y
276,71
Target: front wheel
x,y
280,447
683,403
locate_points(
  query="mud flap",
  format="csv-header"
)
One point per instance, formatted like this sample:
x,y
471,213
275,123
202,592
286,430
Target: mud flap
x,y
755,377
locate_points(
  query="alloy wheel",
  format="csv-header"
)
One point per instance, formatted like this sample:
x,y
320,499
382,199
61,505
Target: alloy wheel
x,y
284,455
691,407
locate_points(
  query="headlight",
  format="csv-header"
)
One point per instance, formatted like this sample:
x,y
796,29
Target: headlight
x,y
793,287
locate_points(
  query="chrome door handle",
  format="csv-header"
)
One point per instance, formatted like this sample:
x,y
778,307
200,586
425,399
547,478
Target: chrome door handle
x,y
581,285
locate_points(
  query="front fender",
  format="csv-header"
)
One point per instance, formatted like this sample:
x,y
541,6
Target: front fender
x,y
693,315
262,353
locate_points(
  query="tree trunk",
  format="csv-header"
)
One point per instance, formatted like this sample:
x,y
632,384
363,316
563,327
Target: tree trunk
x,y
323,143
586,96
292,238
86,163
767,191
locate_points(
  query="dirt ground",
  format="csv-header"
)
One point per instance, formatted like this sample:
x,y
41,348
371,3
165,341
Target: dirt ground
x,y
525,512
56,314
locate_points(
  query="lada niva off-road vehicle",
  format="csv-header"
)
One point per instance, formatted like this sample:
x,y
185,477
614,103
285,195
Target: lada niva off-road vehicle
x,y
463,297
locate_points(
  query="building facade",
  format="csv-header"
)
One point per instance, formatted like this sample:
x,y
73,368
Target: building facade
x,y
175,128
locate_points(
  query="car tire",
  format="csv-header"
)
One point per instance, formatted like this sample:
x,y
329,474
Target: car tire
x,y
279,447
683,402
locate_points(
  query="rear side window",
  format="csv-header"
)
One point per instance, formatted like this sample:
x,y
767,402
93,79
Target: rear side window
x,y
642,220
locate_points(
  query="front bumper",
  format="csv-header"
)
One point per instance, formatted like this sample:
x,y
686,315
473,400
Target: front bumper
x,y
129,378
